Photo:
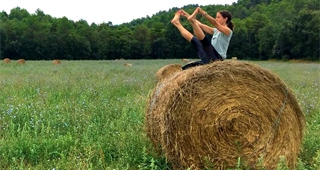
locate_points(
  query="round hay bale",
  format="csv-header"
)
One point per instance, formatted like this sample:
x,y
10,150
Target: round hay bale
x,y
56,62
215,114
6,60
21,61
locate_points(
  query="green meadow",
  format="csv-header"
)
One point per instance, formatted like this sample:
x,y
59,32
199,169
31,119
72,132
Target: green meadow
x,y
90,114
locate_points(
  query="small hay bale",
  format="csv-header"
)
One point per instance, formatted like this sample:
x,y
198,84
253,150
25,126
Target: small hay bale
x,y
56,62
234,58
21,61
167,70
184,60
127,64
212,115
6,60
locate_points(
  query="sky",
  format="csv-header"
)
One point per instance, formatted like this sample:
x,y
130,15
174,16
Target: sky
x,y
100,11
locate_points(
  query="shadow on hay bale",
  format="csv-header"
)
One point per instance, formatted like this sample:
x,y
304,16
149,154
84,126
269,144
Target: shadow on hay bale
x,y
214,114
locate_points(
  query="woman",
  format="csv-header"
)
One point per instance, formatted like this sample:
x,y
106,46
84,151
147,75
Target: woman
x,y
222,33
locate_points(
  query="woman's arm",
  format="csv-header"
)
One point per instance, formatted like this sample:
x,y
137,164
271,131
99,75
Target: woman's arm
x,y
224,29
207,29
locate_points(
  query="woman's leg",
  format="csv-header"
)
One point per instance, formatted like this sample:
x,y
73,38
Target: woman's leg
x,y
211,52
190,38
200,50
197,31
184,32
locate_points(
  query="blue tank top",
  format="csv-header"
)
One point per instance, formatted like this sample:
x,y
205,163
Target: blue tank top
x,y
221,42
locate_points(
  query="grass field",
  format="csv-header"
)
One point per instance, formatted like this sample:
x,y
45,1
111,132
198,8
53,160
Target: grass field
x,y
90,114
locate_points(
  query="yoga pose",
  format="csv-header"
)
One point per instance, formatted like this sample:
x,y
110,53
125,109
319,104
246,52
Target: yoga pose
x,y
215,50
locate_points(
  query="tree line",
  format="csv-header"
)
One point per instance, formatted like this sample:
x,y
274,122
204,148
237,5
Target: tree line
x,y
264,30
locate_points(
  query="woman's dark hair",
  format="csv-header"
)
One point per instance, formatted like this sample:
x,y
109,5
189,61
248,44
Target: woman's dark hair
x,y
227,14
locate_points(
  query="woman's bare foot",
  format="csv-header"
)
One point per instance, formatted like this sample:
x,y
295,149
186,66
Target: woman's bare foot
x,y
184,13
193,16
176,18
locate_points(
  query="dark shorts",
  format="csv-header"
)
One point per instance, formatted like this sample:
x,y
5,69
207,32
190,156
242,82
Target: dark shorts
x,y
205,50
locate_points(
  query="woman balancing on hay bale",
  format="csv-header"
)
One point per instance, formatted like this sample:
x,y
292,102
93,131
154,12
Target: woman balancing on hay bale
x,y
222,33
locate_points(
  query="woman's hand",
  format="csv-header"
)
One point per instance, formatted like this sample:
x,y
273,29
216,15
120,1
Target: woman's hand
x,y
201,11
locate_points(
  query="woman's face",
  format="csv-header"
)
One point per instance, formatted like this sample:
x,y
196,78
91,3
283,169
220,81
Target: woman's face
x,y
220,19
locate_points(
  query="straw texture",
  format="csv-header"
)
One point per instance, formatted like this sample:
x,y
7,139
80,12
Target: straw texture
x,y
216,114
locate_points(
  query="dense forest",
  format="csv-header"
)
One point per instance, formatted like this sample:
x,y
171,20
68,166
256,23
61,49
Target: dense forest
x,y
264,30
